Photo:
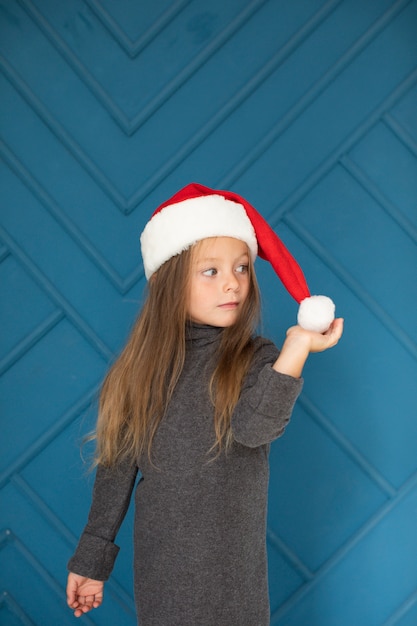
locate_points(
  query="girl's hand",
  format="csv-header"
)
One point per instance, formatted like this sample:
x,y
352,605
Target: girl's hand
x,y
317,342
83,594
300,343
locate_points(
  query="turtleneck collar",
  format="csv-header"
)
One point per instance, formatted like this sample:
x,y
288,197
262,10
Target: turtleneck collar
x,y
202,334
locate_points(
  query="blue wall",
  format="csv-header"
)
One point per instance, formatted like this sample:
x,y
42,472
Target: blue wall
x,y
309,109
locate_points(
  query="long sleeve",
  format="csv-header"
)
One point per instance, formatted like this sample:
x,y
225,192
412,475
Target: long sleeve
x,y
96,551
266,402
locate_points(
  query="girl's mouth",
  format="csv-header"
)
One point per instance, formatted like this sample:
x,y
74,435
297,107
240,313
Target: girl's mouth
x,y
229,305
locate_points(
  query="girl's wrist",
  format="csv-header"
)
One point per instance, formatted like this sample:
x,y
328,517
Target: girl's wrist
x,y
293,355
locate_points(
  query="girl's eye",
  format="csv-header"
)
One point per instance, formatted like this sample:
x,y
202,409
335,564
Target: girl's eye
x,y
242,269
210,272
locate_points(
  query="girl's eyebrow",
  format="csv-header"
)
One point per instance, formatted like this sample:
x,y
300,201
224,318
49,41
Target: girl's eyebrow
x,y
212,259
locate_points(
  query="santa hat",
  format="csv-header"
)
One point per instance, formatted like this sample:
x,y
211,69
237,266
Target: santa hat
x,y
197,212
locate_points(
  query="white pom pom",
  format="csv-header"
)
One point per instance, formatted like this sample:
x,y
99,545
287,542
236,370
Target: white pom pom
x,y
316,313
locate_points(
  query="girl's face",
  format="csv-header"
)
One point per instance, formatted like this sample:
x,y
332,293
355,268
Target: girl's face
x,y
219,283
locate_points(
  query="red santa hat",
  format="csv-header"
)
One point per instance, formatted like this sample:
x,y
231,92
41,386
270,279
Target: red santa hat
x,y
197,212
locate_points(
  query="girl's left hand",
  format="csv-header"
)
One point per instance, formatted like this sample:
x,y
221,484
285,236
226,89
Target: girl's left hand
x,y
317,342
299,343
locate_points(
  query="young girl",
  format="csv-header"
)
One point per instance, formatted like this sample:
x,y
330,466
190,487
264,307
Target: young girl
x,y
193,403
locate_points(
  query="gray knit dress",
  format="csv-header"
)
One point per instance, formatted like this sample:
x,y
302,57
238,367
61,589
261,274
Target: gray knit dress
x,y
200,524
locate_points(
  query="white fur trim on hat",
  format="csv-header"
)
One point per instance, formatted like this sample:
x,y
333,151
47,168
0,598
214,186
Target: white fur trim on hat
x,y
177,226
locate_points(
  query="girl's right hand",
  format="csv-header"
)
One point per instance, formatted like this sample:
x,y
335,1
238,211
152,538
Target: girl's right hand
x,y
83,594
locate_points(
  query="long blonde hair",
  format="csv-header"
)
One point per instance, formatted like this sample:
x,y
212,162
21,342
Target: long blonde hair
x,y
139,385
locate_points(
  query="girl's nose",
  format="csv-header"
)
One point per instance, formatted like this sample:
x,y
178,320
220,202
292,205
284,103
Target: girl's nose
x,y
231,283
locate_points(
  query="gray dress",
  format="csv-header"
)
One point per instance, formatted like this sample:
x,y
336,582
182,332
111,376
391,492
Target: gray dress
x,y
200,524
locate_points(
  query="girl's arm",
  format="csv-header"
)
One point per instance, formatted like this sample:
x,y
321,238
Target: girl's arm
x,y
273,385
300,343
96,551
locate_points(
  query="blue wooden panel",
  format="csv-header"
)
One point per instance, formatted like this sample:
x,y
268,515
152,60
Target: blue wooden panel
x,y
20,321
334,501
386,545
307,107
44,383
395,181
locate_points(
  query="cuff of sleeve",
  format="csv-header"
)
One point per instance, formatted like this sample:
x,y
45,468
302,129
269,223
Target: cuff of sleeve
x,y
276,389
94,557
268,408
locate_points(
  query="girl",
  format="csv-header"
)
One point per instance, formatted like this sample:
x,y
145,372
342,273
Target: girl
x,y
193,403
